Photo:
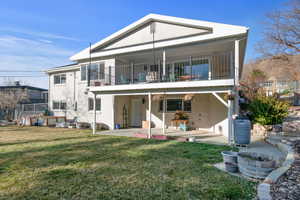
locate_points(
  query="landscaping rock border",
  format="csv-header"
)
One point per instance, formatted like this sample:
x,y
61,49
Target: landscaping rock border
x,y
288,186
286,146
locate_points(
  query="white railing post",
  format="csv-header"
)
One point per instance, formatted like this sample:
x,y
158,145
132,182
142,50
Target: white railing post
x,y
230,121
109,75
209,68
164,65
94,115
236,73
236,62
132,73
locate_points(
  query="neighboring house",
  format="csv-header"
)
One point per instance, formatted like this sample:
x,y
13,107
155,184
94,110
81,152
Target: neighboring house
x,y
149,70
282,76
288,90
34,95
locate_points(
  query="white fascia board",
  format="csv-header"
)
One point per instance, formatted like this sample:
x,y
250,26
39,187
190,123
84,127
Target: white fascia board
x,y
168,85
61,69
218,31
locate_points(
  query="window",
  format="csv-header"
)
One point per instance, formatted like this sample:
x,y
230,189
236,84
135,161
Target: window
x,y
75,106
59,105
63,105
187,106
55,105
173,105
91,104
200,69
267,84
83,70
56,79
96,71
182,69
60,79
63,78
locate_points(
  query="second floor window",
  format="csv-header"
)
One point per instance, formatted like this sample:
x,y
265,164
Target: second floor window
x,y
60,79
59,105
96,71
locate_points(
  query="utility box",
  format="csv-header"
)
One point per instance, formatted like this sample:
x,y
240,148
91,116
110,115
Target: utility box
x,y
242,131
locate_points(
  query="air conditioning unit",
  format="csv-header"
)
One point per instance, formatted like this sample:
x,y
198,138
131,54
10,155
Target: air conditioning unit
x,y
97,83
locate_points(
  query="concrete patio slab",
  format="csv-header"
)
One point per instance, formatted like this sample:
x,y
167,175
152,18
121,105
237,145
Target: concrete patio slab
x,y
201,136
258,145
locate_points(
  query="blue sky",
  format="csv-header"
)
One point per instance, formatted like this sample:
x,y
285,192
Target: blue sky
x,y
36,35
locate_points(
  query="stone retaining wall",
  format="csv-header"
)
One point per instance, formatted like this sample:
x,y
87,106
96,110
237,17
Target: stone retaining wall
x,y
264,189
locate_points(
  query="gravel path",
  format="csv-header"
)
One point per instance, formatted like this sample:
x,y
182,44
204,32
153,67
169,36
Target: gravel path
x,y
288,186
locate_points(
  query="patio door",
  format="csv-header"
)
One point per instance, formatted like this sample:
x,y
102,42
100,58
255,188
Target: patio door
x,y
136,112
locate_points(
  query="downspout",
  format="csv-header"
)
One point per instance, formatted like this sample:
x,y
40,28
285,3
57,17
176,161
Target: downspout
x,y
49,94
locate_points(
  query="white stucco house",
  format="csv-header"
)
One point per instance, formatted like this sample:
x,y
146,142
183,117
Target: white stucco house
x,y
149,70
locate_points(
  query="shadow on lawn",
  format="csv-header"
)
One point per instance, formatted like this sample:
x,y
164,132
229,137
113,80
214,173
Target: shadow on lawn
x,y
39,140
123,168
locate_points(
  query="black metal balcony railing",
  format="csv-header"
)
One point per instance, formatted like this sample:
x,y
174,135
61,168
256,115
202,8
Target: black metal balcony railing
x,y
192,69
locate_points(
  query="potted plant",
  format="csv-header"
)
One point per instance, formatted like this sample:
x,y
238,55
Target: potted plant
x,y
181,118
180,115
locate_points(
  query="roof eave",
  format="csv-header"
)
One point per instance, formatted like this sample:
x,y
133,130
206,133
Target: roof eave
x,y
149,18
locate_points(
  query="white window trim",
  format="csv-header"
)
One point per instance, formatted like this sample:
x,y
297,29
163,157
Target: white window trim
x,y
91,111
182,109
86,73
59,109
60,74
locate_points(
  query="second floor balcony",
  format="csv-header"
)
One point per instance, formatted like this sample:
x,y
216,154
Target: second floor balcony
x,y
177,67
192,68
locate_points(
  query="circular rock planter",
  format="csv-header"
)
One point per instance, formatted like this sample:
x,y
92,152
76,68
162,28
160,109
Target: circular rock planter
x,y
230,161
255,165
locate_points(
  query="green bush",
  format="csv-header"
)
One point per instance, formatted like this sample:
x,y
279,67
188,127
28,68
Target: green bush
x,y
267,110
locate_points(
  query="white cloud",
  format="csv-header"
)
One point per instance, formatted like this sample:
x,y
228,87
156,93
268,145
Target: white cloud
x,y
38,34
45,41
18,53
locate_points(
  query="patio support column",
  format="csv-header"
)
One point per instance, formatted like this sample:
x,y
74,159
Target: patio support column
x,y
94,115
230,121
164,114
149,114
236,74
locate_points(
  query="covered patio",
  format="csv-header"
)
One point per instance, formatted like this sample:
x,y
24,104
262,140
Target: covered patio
x,y
209,113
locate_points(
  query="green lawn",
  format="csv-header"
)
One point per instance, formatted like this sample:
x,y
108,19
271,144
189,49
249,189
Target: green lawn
x,y
49,163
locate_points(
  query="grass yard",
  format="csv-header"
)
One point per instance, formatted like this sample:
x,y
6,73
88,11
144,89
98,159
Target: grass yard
x,y
50,163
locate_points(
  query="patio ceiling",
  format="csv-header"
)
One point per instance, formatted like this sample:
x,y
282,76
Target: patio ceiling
x,y
176,53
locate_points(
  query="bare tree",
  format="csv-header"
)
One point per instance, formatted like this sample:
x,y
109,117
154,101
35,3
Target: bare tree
x,y
281,38
252,84
9,99
282,31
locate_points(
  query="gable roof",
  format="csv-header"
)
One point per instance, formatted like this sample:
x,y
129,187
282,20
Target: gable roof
x,y
68,67
22,87
215,30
